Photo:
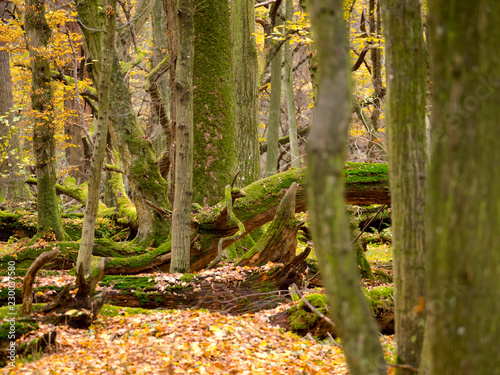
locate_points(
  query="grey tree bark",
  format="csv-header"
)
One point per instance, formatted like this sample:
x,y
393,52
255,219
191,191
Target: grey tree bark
x,y
325,193
245,90
101,135
181,217
290,97
405,118
273,126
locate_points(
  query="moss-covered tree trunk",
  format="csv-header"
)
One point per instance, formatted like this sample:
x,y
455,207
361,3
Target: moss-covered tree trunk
x,y
405,113
101,135
136,153
181,217
273,125
215,154
462,334
44,145
326,153
244,55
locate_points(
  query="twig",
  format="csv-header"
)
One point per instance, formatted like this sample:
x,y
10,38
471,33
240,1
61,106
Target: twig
x,y
319,313
264,3
366,225
406,367
158,209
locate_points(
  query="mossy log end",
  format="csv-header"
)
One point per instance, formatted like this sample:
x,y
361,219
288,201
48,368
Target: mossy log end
x,y
279,243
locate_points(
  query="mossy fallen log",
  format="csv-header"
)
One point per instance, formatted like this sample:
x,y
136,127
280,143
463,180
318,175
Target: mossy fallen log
x,y
365,184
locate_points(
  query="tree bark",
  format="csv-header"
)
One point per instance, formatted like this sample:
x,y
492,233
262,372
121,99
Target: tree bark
x,y
290,97
245,90
273,126
181,217
215,154
405,113
44,146
101,135
326,153
463,240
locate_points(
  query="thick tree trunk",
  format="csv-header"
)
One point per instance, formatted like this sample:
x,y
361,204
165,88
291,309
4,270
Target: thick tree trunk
x,y
406,94
463,219
215,154
273,126
245,90
327,143
101,135
44,146
183,92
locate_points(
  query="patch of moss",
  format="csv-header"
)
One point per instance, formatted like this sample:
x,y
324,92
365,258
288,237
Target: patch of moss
x,y
129,282
110,310
188,277
301,316
380,298
6,311
18,329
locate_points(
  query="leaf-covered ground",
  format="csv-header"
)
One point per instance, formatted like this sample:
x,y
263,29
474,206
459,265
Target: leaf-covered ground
x,y
185,342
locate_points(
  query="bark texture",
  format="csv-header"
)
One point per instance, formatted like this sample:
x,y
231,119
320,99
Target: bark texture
x,y
245,90
463,241
326,154
181,216
405,113
273,126
101,136
215,154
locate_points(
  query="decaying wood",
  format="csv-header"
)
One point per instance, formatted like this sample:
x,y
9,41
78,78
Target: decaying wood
x,y
279,243
30,278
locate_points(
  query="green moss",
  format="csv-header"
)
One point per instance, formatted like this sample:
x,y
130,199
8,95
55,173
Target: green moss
x,y
7,311
110,310
188,277
129,282
19,328
301,317
364,173
380,298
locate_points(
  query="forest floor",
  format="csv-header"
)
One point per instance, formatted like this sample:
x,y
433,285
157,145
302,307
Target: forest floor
x,y
126,340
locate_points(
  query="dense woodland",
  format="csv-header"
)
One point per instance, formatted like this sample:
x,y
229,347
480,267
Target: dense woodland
x,y
249,186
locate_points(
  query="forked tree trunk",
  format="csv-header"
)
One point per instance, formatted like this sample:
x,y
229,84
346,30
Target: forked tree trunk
x,y
326,153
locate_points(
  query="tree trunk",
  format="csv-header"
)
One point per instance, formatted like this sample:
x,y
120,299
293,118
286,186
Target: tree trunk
x,y
44,146
273,126
181,217
405,112
463,239
101,135
327,150
375,151
136,152
159,131
245,90
215,154
290,97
